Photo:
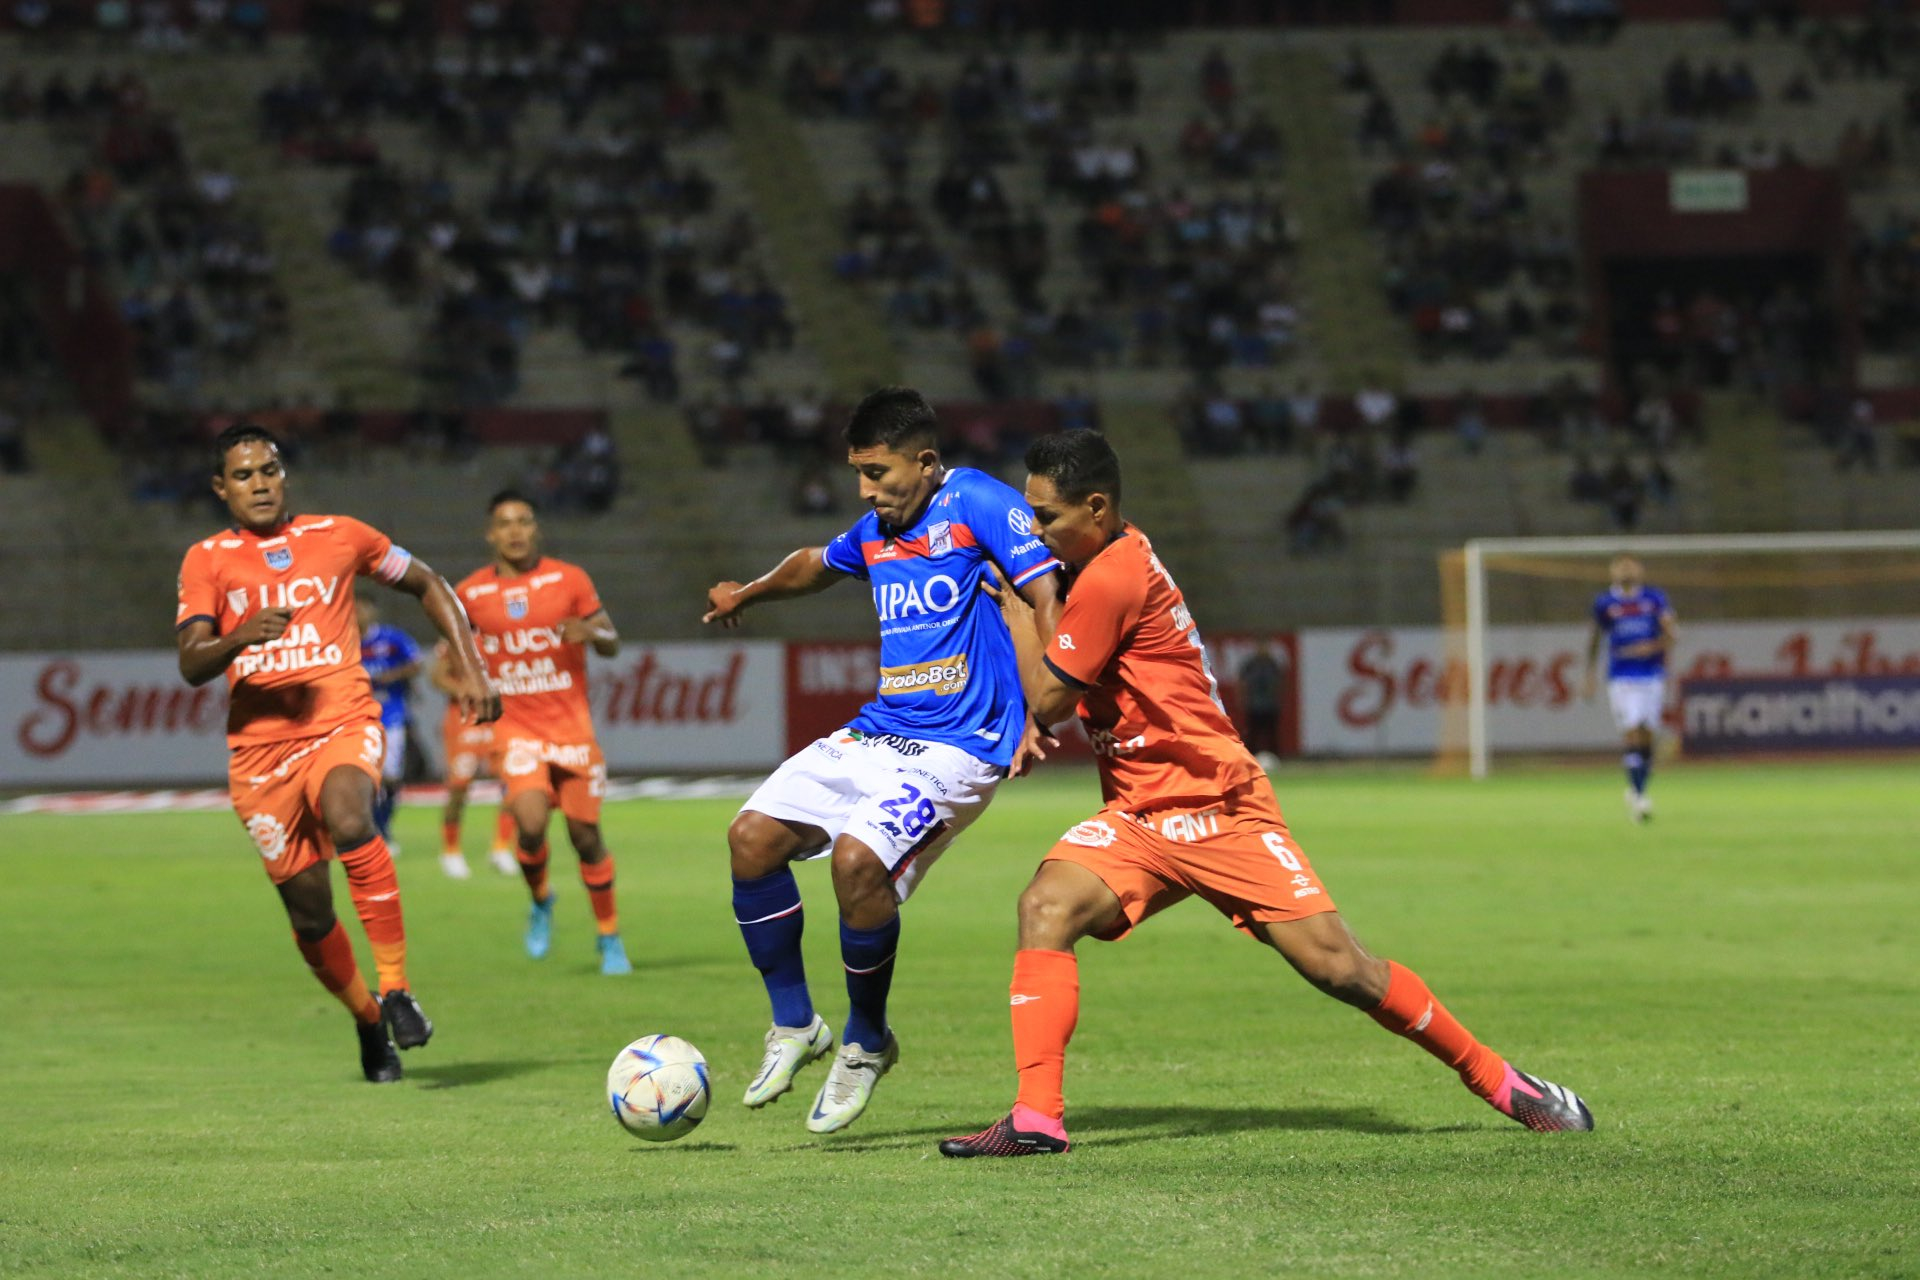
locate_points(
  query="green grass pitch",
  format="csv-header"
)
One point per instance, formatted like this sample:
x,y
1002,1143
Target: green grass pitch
x,y
1734,988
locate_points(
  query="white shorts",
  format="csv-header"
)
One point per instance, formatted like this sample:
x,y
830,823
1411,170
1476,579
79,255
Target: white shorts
x,y
393,765
904,799
1636,703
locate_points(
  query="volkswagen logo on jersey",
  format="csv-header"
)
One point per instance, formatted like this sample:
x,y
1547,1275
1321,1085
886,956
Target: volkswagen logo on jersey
x,y
516,606
1020,522
280,558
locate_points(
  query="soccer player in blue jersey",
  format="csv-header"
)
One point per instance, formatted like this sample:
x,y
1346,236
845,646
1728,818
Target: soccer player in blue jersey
x,y
1636,623
392,660
885,795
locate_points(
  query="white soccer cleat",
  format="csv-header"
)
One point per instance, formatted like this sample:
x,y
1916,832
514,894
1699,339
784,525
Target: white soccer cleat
x,y
455,865
1643,810
788,1050
1636,809
503,862
849,1085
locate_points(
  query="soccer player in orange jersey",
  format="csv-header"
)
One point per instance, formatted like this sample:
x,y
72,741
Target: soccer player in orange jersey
x,y
467,751
536,616
270,603
1187,811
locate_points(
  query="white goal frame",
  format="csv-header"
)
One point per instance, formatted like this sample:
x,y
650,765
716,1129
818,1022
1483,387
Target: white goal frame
x,y
1476,551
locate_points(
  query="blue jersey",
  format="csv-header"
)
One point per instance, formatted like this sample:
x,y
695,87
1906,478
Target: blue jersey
x,y
947,667
1630,620
386,649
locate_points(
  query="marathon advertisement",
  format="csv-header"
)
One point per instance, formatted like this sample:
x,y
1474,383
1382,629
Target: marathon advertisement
x,y
1734,716
1398,690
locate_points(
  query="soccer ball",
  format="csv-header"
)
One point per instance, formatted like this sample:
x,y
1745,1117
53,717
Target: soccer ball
x,y
658,1088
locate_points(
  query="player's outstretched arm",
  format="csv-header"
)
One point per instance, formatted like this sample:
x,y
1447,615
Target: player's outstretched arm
x,y
596,629
204,654
479,700
802,573
1049,698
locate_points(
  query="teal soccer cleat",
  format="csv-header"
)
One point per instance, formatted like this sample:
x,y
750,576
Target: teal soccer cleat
x,y
613,955
540,928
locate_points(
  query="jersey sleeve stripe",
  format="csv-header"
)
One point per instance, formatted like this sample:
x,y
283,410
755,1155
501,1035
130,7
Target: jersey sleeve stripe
x,y
184,623
1071,681
394,566
1046,567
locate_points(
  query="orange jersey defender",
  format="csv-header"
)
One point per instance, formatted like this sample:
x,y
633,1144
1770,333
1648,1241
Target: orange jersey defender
x,y
309,681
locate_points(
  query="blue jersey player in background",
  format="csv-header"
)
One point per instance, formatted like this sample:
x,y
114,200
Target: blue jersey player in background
x,y
886,794
392,659
1636,624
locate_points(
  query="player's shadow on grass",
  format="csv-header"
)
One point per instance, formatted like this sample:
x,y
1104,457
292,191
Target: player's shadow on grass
x,y
453,1075
1115,1126
1118,1126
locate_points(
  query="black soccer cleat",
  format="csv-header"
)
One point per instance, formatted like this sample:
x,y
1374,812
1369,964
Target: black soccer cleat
x,y
400,1011
1541,1105
378,1060
1001,1139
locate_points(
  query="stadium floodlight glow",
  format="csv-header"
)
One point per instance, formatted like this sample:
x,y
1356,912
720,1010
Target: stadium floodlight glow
x,y
1477,555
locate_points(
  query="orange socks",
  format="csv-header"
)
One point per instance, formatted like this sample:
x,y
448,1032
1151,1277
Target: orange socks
x,y
1410,1010
376,898
331,960
598,877
505,832
1045,995
534,867
449,837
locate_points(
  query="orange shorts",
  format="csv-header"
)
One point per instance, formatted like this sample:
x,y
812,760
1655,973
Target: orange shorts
x,y
1236,854
468,748
572,775
276,791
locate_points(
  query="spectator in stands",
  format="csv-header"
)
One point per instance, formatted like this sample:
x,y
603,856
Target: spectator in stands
x,y
13,446
1470,422
1861,441
813,491
1400,468
1624,493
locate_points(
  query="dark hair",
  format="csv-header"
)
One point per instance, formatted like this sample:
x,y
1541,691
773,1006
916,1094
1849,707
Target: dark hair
x,y
238,434
505,496
1077,463
898,418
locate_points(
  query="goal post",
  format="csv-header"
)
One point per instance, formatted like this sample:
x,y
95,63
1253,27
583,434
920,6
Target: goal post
x,y
1731,579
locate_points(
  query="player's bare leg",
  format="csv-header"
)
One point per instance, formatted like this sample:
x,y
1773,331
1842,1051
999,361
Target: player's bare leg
x,y
596,872
308,898
531,810
766,905
453,860
346,807
1324,951
869,939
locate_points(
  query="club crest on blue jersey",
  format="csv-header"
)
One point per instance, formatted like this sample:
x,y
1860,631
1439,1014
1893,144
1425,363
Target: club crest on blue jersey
x,y
516,607
280,559
939,537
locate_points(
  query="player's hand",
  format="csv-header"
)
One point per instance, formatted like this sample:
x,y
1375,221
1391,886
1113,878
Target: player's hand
x,y
723,604
478,700
1013,606
263,627
1034,745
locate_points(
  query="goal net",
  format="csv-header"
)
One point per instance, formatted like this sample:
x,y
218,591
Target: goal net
x,y
1787,642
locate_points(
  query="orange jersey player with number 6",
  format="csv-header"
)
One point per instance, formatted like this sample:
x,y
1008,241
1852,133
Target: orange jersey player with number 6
x,y
1188,813
535,617
270,603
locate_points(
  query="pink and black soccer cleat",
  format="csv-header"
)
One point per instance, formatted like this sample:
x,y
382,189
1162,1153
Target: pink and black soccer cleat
x,y
1021,1132
1541,1105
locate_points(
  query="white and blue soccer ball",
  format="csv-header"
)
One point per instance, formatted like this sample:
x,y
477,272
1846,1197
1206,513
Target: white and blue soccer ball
x,y
658,1088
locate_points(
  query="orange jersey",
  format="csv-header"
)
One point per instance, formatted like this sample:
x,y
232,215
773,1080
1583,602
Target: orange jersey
x,y
309,681
542,679
1149,701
